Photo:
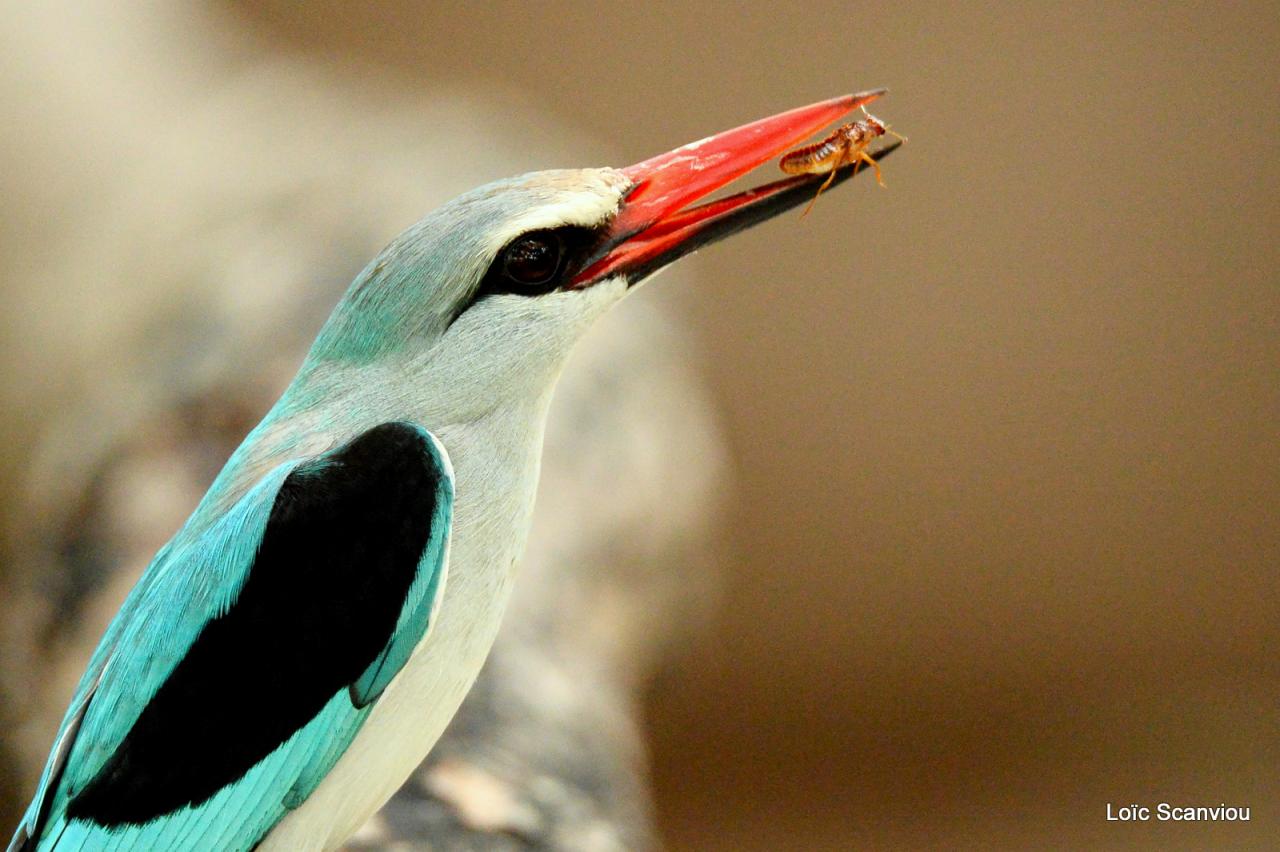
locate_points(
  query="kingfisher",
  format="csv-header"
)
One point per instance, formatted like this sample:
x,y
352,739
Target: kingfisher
x,y
295,650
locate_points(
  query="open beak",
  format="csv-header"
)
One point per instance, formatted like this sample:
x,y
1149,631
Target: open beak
x,y
655,224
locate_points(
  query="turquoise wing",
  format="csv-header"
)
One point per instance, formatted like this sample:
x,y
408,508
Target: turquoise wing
x,y
248,656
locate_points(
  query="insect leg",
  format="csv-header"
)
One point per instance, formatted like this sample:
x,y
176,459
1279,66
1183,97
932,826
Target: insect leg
x,y
825,184
864,157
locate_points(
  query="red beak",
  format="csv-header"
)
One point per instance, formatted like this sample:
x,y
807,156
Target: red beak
x,y
655,226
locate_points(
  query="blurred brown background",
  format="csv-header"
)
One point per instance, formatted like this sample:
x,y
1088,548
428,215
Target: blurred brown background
x,y
1004,535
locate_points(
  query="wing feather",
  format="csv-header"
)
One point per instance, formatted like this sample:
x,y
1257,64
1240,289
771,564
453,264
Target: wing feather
x,y
246,659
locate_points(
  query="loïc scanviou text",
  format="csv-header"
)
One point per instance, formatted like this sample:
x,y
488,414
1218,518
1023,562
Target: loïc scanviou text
x,y
1166,812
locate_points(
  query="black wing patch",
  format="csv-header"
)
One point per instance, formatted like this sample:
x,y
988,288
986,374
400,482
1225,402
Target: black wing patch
x,y
339,553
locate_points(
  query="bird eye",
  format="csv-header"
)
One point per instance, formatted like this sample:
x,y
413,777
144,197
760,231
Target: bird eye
x,y
534,263
533,259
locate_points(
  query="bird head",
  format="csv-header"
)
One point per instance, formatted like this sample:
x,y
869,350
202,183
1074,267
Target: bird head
x,y
483,299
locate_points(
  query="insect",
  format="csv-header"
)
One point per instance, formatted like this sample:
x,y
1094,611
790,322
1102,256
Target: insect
x,y
846,145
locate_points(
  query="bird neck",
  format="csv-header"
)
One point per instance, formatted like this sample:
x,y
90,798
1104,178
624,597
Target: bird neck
x,y
329,404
